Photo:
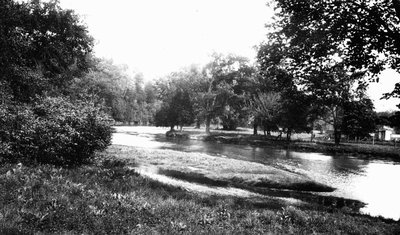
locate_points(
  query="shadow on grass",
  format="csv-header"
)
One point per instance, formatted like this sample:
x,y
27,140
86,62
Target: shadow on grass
x,y
295,191
194,177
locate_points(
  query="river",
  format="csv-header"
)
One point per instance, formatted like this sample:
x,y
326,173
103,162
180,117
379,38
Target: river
x,y
374,182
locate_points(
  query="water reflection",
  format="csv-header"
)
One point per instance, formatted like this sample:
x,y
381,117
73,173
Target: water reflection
x,y
370,181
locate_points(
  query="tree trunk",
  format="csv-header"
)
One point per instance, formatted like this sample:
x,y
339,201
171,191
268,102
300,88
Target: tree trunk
x,y
208,123
197,124
279,136
255,127
337,135
288,135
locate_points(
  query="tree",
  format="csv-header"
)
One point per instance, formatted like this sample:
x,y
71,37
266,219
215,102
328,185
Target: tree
x,y
222,89
296,112
323,85
111,83
333,89
42,48
363,34
395,120
266,108
176,111
149,93
359,118
177,93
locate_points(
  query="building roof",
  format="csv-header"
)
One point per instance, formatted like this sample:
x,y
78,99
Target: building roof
x,y
385,128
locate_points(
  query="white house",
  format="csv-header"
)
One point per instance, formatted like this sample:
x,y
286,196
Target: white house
x,y
384,133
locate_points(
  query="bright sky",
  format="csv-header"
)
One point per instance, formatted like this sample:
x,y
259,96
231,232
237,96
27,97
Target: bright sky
x,y
156,37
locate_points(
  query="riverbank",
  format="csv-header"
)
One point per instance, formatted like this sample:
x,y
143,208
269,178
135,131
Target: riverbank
x,y
364,150
300,142
110,197
217,171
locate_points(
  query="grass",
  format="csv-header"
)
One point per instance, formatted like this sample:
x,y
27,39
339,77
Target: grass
x,y
225,171
108,197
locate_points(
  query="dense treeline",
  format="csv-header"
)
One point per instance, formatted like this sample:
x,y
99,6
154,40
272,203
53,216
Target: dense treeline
x,y
229,91
128,99
55,92
44,50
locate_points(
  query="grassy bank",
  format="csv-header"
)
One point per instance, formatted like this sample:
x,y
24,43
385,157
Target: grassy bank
x,y
110,198
365,150
216,170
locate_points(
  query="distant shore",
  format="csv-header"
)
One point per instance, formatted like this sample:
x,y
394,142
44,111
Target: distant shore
x,y
360,149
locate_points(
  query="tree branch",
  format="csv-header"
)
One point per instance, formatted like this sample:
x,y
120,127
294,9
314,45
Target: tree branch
x,y
396,5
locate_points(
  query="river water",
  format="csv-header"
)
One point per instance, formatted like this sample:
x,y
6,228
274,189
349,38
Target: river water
x,y
374,182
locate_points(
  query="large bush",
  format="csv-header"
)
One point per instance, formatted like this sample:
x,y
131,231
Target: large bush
x,y
53,130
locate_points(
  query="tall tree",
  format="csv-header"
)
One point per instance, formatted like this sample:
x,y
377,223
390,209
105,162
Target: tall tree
x,y
363,34
266,108
176,111
277,74
42,47
223,88
333,89
359,119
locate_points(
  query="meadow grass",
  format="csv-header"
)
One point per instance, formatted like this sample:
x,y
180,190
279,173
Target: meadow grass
x,y
219,170
108,197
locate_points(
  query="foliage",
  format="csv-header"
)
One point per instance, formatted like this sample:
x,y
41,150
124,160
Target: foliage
x,y
276,75
384,118
42,47
359,119
176,111
179,87
125,96
53,130
364,35
266,108
322,87
395,120
223,89
297,113
334,91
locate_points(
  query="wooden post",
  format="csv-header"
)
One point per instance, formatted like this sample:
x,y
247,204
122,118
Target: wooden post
x,y
373,138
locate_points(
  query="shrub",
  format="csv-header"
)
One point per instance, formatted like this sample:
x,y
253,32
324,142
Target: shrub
x,y
53,130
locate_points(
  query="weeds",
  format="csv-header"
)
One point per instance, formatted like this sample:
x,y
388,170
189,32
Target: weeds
x,y
109,198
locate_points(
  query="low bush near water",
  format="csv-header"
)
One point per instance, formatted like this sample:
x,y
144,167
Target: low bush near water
x,y
53,130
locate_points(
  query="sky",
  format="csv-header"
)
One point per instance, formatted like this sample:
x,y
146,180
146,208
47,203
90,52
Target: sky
x,y
157,37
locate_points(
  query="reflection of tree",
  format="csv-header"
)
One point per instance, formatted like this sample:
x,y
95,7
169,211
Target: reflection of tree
x,y
328,166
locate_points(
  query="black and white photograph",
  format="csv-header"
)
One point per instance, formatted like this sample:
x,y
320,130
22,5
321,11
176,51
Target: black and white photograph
x,y
199,117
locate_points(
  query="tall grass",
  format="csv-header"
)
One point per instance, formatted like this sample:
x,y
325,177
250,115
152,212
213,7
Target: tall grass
x,y
109,198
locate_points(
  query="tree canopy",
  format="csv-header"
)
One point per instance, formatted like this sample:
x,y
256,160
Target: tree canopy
x,y
364,35
42,47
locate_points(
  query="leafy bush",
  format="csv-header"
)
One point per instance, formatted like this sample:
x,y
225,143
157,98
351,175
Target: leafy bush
x,y
53,130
